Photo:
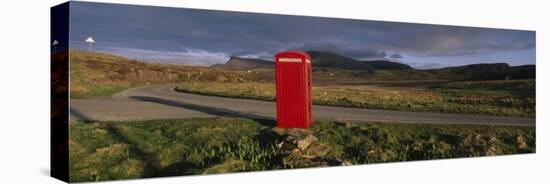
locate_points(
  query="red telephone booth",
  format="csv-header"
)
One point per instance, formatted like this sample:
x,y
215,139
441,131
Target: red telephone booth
x,y
293,83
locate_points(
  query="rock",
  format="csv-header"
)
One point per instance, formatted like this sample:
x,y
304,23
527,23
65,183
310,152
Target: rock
x,y
297,134
317,149
280,131
286,147
295,138
301,137
491,151
300,148
305,142
346,163
521,145
297,160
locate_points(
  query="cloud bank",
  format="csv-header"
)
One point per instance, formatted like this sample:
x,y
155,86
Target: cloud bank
x,y
202,37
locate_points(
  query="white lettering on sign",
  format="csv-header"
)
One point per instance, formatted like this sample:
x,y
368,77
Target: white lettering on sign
x,y
290,60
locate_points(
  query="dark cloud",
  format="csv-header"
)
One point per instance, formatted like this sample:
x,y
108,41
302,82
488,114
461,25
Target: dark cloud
x,y
432,40
396,56
354,51
176,31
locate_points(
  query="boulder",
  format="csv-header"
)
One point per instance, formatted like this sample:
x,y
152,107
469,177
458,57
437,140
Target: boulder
x,y
521,145
300,148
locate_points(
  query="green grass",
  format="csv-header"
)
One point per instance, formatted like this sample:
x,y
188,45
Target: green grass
x,y
139,149
382,142
502,98
250,90
522,85
100,91
121,150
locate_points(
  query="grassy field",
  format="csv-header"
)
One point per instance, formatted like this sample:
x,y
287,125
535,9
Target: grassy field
x,y
124,150
503,98
97,74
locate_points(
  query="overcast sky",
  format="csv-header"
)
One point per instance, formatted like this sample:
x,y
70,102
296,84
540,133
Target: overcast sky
x,y
204,37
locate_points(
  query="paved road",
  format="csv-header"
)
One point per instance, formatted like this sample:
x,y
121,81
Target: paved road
x,y
161,102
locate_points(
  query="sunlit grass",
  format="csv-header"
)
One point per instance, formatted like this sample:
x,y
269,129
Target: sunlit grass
x,y
504,98
139,149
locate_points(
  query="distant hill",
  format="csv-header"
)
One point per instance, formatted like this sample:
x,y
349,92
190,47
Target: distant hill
x,y
238,63
523,72
474,72
98,74
485,71
321,59
387,65
331,64
93,72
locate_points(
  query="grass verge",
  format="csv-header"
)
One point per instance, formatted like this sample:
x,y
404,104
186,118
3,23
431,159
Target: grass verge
x,y
502,98
140,149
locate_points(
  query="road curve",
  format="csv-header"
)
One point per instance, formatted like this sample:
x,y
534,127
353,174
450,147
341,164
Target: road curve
x,y
162,102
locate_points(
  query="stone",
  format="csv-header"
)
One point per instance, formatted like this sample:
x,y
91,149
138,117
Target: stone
x,y
305,142
286,147
491,151
317,149
521,145
280,131
300,148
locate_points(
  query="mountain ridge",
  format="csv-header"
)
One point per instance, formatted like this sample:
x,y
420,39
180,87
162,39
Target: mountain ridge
x,y
241,63
320,59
